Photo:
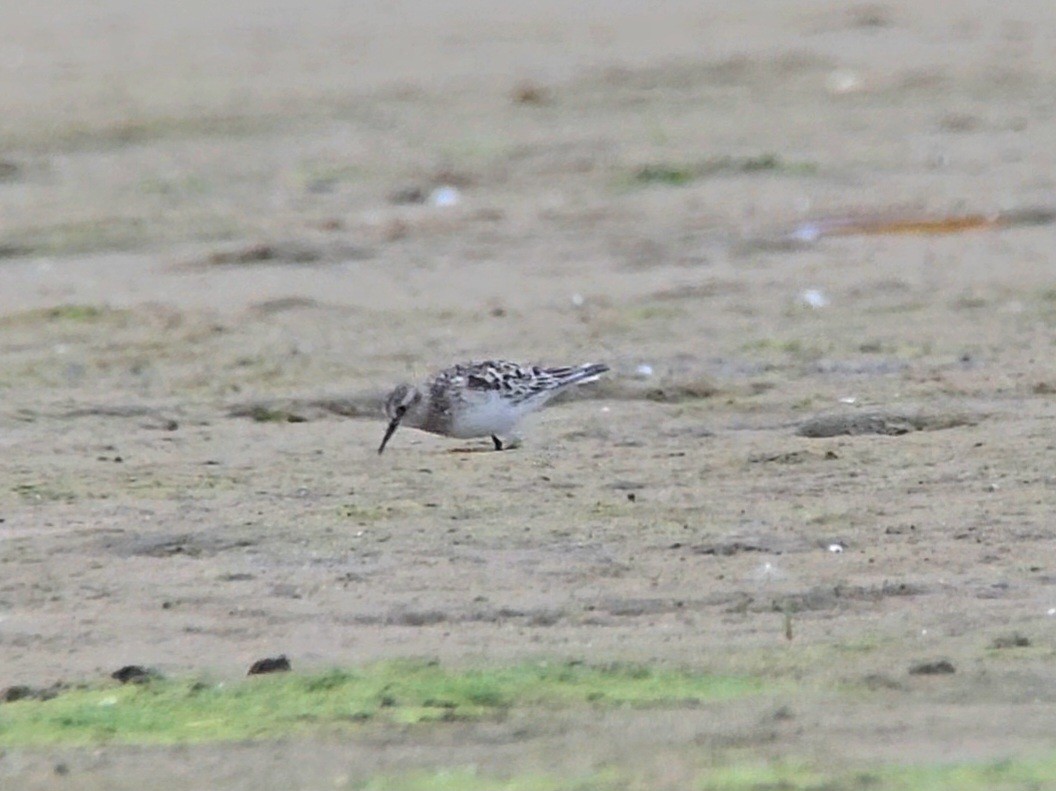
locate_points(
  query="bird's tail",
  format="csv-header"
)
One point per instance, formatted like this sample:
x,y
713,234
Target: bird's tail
x,y
578,374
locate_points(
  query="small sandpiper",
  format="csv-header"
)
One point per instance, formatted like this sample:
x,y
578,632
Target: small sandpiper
x,y
480,399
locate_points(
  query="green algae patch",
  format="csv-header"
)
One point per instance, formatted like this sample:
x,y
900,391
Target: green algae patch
x,y
1004,775
71,313
470,780
171,711
679,174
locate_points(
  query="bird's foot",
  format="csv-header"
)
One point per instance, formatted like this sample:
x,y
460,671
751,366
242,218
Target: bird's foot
x,y
507,443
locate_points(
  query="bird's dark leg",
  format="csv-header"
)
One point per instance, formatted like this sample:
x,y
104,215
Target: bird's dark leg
x,y
497,441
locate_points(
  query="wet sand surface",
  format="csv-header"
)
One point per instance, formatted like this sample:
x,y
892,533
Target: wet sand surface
x,y
221,246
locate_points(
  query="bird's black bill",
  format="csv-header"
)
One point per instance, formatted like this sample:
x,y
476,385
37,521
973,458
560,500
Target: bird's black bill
x,y
393,425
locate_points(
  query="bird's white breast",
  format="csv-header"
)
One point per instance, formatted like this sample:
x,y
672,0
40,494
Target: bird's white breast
x,y
485,415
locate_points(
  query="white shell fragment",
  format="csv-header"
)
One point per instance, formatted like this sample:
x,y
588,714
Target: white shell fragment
x,y
445,196
813,298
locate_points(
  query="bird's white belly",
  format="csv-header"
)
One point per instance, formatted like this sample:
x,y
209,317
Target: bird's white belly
x,y
491,415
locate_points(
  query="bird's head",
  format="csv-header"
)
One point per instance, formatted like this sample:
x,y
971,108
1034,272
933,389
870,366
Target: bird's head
x,y
402,399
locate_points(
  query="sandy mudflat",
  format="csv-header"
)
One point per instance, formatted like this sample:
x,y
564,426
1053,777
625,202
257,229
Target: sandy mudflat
x,y
214,218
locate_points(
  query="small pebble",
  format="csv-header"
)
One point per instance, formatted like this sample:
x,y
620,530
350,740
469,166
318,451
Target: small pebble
x,y
271,664
134,674
940,668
